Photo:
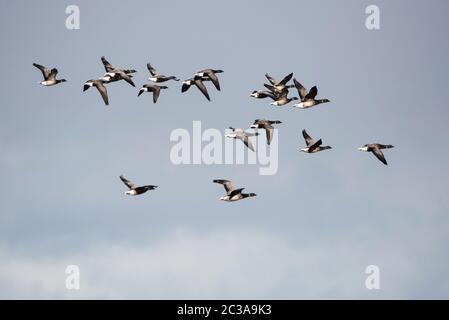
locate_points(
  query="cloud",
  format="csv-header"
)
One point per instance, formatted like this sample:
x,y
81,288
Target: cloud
x,y
220,264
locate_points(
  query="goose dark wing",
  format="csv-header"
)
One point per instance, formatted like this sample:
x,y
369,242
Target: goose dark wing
x,y
128,183
312,93
246,141
301,90
229,187
103,92
309,139
315,145
379,155
286,79
53,73
213,77
107,66
269,132
153,71
45,71
235,192
272,80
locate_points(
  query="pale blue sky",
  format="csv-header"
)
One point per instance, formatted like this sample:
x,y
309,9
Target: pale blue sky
x,y
314,226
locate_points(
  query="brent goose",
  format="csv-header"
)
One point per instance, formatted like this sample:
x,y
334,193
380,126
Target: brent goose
x,y
198,82
211,74
307,98
157,77
280,85
152,88
233,194
312,145
283,98
375,148
267,125
115,74
262,94
99,84
242,135
49,76
133,189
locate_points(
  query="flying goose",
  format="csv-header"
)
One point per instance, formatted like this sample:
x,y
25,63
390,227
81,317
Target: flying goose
x,y
280,85
375,148
262,94
312,145
152,88
99,84
211,74
242,135
133,189
115,74
157,77
198,82
49,76
267,125
109,67
233,194
283,99
307,98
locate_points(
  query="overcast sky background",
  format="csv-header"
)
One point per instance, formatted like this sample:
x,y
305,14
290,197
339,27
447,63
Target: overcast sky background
x,y
314,226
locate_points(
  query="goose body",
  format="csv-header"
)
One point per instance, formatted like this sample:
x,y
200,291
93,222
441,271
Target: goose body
x,y
49,76
155,89
198,82
99,84
212,75
307,97
376,149
157,77
313,146
232,193
243,136
136,190
267,125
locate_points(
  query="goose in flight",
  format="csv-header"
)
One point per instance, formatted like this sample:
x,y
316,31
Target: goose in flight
x,y
115,74
280,86
267,125
376,149
157,77
155,89
262,94
312,145
233,194
99,84
198,82
307,98
49,76
212,75
135,190
282,98
242,135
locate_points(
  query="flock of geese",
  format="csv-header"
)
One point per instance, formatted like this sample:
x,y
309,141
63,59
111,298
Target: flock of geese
x,y
277,91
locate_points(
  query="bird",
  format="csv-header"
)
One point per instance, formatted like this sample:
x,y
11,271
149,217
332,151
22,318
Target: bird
x,y
198,82
211,74
267,125
262,94
135,190
279,86
49,76
242,135
99,84
115,74
376,149
109,67
283,99
233,194
312,145
307,98
152,88
157,77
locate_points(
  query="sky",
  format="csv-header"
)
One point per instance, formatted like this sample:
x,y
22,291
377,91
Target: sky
x,y
314,226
